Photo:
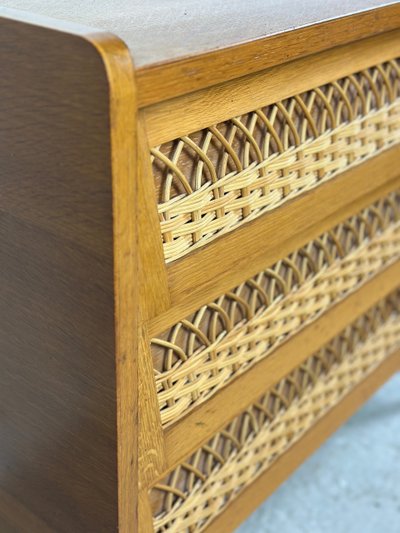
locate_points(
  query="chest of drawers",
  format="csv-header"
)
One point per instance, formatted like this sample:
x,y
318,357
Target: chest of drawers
x,y
199,246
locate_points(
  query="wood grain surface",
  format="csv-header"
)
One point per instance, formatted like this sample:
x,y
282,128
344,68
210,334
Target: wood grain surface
x,y
127,277
180,47
198,27
58,454
182,115
83,280
175,78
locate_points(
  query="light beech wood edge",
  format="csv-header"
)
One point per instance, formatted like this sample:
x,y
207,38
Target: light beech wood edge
x,y
170,79
154,292
141,290
269,481
151,448
151,445
146,514
153,297
183,115
208,272
196,428
123,123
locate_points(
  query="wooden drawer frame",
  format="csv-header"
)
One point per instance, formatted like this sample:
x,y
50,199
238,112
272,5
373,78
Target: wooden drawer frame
x,y
106,182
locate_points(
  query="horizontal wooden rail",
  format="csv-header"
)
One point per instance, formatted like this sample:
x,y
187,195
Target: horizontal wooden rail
x,y
184,437
182,115
166,80
206,273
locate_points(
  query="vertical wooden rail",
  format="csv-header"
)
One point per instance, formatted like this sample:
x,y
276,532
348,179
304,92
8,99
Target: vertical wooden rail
x,y
154,299
123,122
140,289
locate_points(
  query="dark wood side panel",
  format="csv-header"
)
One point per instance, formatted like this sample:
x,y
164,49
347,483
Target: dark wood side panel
x,y
58,449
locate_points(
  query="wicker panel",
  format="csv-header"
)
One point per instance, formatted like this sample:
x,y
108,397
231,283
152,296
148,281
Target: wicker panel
x,y
214,180
200,354
191,495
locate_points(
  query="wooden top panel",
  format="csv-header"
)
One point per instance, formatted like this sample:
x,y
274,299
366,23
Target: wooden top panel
x,y
165,30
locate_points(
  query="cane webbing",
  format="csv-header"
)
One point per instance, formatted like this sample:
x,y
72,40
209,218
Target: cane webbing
x,y
197,490
200,354
216,179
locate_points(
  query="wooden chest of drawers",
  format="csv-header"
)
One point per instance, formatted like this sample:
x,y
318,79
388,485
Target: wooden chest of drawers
x,y
200,254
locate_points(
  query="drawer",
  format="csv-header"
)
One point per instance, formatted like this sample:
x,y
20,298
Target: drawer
x,y
202,353
212,181
206,482
200,254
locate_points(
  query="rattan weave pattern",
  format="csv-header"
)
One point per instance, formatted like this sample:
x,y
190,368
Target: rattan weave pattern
x,y
197,490
212,181
200,354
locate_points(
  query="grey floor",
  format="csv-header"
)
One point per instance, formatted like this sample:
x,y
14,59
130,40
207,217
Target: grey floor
x,y
350,485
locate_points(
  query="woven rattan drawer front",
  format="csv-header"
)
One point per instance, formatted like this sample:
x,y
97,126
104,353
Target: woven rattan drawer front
x,y
214,180
198,489
201,353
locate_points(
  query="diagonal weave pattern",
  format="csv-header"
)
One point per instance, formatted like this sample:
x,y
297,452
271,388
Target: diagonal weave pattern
x,y
214,180
200,354
197,490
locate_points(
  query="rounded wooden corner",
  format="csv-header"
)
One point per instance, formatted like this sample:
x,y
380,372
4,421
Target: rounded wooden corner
x,y
113,51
